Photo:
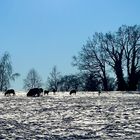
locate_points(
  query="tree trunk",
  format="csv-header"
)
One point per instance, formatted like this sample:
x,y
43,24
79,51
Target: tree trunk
x,y
133,75
120,79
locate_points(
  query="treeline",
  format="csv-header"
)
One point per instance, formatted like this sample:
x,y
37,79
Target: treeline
x,y
108,61
60,82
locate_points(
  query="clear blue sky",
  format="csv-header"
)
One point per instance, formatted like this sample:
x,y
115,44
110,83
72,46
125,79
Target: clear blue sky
x,y
42,33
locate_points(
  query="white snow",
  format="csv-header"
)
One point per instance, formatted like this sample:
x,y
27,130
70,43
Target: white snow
x,y
112,115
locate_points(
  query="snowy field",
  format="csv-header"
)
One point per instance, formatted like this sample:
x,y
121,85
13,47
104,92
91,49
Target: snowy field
x,y
110,116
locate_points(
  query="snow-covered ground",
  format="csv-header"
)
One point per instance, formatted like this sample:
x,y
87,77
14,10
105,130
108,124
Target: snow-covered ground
x,y
112,115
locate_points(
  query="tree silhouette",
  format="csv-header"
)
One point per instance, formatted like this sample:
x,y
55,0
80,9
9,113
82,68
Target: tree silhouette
x,y
53,79
132,55
114,51
6,72
118,52
33,80
92,59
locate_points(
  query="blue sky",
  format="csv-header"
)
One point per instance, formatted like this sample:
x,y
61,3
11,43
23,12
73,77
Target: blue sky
x,y
42,33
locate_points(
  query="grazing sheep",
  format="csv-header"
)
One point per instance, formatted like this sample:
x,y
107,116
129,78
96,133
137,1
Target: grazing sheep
x,y
54,90
9,92
34,92
46,92
73,92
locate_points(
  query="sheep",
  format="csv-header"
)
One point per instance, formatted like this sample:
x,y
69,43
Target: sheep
x,y
34,92
9,92
46,92
72,92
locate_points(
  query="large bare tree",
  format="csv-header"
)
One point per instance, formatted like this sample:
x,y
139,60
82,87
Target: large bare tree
x,y
114,50
132,55
123,53
119,51
92,59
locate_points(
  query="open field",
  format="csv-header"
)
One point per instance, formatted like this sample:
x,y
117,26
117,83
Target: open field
x,y
111,115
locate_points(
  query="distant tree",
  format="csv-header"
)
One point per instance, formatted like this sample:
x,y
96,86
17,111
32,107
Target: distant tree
x,y
33,80
65,84
69,82
6,72
53,80
91,84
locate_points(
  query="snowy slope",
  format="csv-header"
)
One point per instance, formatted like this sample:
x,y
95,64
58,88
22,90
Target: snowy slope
x,y
112,115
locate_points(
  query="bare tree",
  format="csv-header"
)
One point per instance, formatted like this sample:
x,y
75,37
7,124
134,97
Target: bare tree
x,y
92,59
53,79
132,55
69,82
6,72
114,50
119,51
91,83
33,80
123,53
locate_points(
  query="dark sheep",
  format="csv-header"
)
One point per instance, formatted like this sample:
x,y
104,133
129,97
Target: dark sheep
x,y
46,92
34,92
99,92
10,92
54,90
73,92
